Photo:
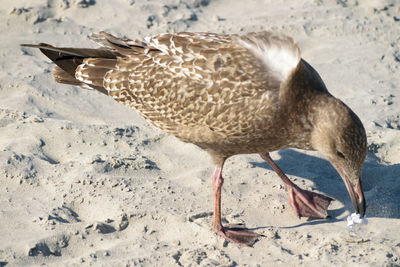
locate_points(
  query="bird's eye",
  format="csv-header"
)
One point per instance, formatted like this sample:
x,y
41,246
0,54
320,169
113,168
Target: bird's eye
x,y
340,154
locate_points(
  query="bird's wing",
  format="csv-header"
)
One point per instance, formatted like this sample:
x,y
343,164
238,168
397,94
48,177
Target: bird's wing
x,y
192,79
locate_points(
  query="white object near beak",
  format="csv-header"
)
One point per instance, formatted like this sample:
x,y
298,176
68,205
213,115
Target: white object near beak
x,y
354,218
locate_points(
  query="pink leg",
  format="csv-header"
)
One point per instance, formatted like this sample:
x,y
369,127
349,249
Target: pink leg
x,y
304,203
235,235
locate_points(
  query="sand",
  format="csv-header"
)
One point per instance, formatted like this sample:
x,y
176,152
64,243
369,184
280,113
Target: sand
x,y
86,181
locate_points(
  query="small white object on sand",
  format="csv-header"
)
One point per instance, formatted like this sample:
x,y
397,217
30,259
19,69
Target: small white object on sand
x,y
354,218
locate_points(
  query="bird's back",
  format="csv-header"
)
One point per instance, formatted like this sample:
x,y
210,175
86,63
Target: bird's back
x,y
218,91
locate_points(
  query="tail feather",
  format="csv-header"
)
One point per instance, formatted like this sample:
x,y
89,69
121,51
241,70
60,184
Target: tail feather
x,y
61,76
100,62
87,67
69,59
121,45
92,72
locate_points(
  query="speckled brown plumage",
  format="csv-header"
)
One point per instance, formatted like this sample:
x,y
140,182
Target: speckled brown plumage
x,y
228,94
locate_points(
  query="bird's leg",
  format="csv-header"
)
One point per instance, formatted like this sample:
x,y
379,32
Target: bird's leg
x,y
304,203
233,234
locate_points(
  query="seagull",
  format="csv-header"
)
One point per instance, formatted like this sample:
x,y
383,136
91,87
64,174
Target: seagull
x,y
228,94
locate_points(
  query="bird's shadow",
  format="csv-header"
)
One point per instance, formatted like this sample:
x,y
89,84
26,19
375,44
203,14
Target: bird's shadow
x,y
381,182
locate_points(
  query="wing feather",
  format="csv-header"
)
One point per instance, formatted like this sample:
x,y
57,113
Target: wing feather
x,y
279,54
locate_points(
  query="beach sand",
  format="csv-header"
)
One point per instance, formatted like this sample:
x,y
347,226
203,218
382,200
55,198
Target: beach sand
x,y
86,181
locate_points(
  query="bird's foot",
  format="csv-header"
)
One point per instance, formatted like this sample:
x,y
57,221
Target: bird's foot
x,y
308,204
237,234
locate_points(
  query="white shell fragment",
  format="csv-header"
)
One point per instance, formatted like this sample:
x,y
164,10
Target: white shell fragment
x,y
355,218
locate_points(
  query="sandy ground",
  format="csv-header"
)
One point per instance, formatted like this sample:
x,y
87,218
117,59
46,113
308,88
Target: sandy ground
x,y
85,180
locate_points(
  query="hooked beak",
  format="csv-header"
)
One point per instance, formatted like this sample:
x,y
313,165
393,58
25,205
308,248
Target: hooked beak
x,y
356,193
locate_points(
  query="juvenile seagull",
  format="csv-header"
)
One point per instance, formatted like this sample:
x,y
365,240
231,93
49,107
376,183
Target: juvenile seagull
x,y
228,94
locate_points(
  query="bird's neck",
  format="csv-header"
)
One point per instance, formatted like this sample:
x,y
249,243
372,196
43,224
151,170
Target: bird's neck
x,y
327,116
306,103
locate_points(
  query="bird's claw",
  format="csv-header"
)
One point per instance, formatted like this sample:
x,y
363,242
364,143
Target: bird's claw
x,y
308,204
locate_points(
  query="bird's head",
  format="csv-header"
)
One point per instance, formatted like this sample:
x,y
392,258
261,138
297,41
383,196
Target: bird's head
x,y
340,136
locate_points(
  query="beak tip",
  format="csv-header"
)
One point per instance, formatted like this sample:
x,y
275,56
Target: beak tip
x,y
361,208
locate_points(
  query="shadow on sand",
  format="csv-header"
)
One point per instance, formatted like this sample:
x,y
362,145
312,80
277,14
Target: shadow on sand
x,y
381,182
